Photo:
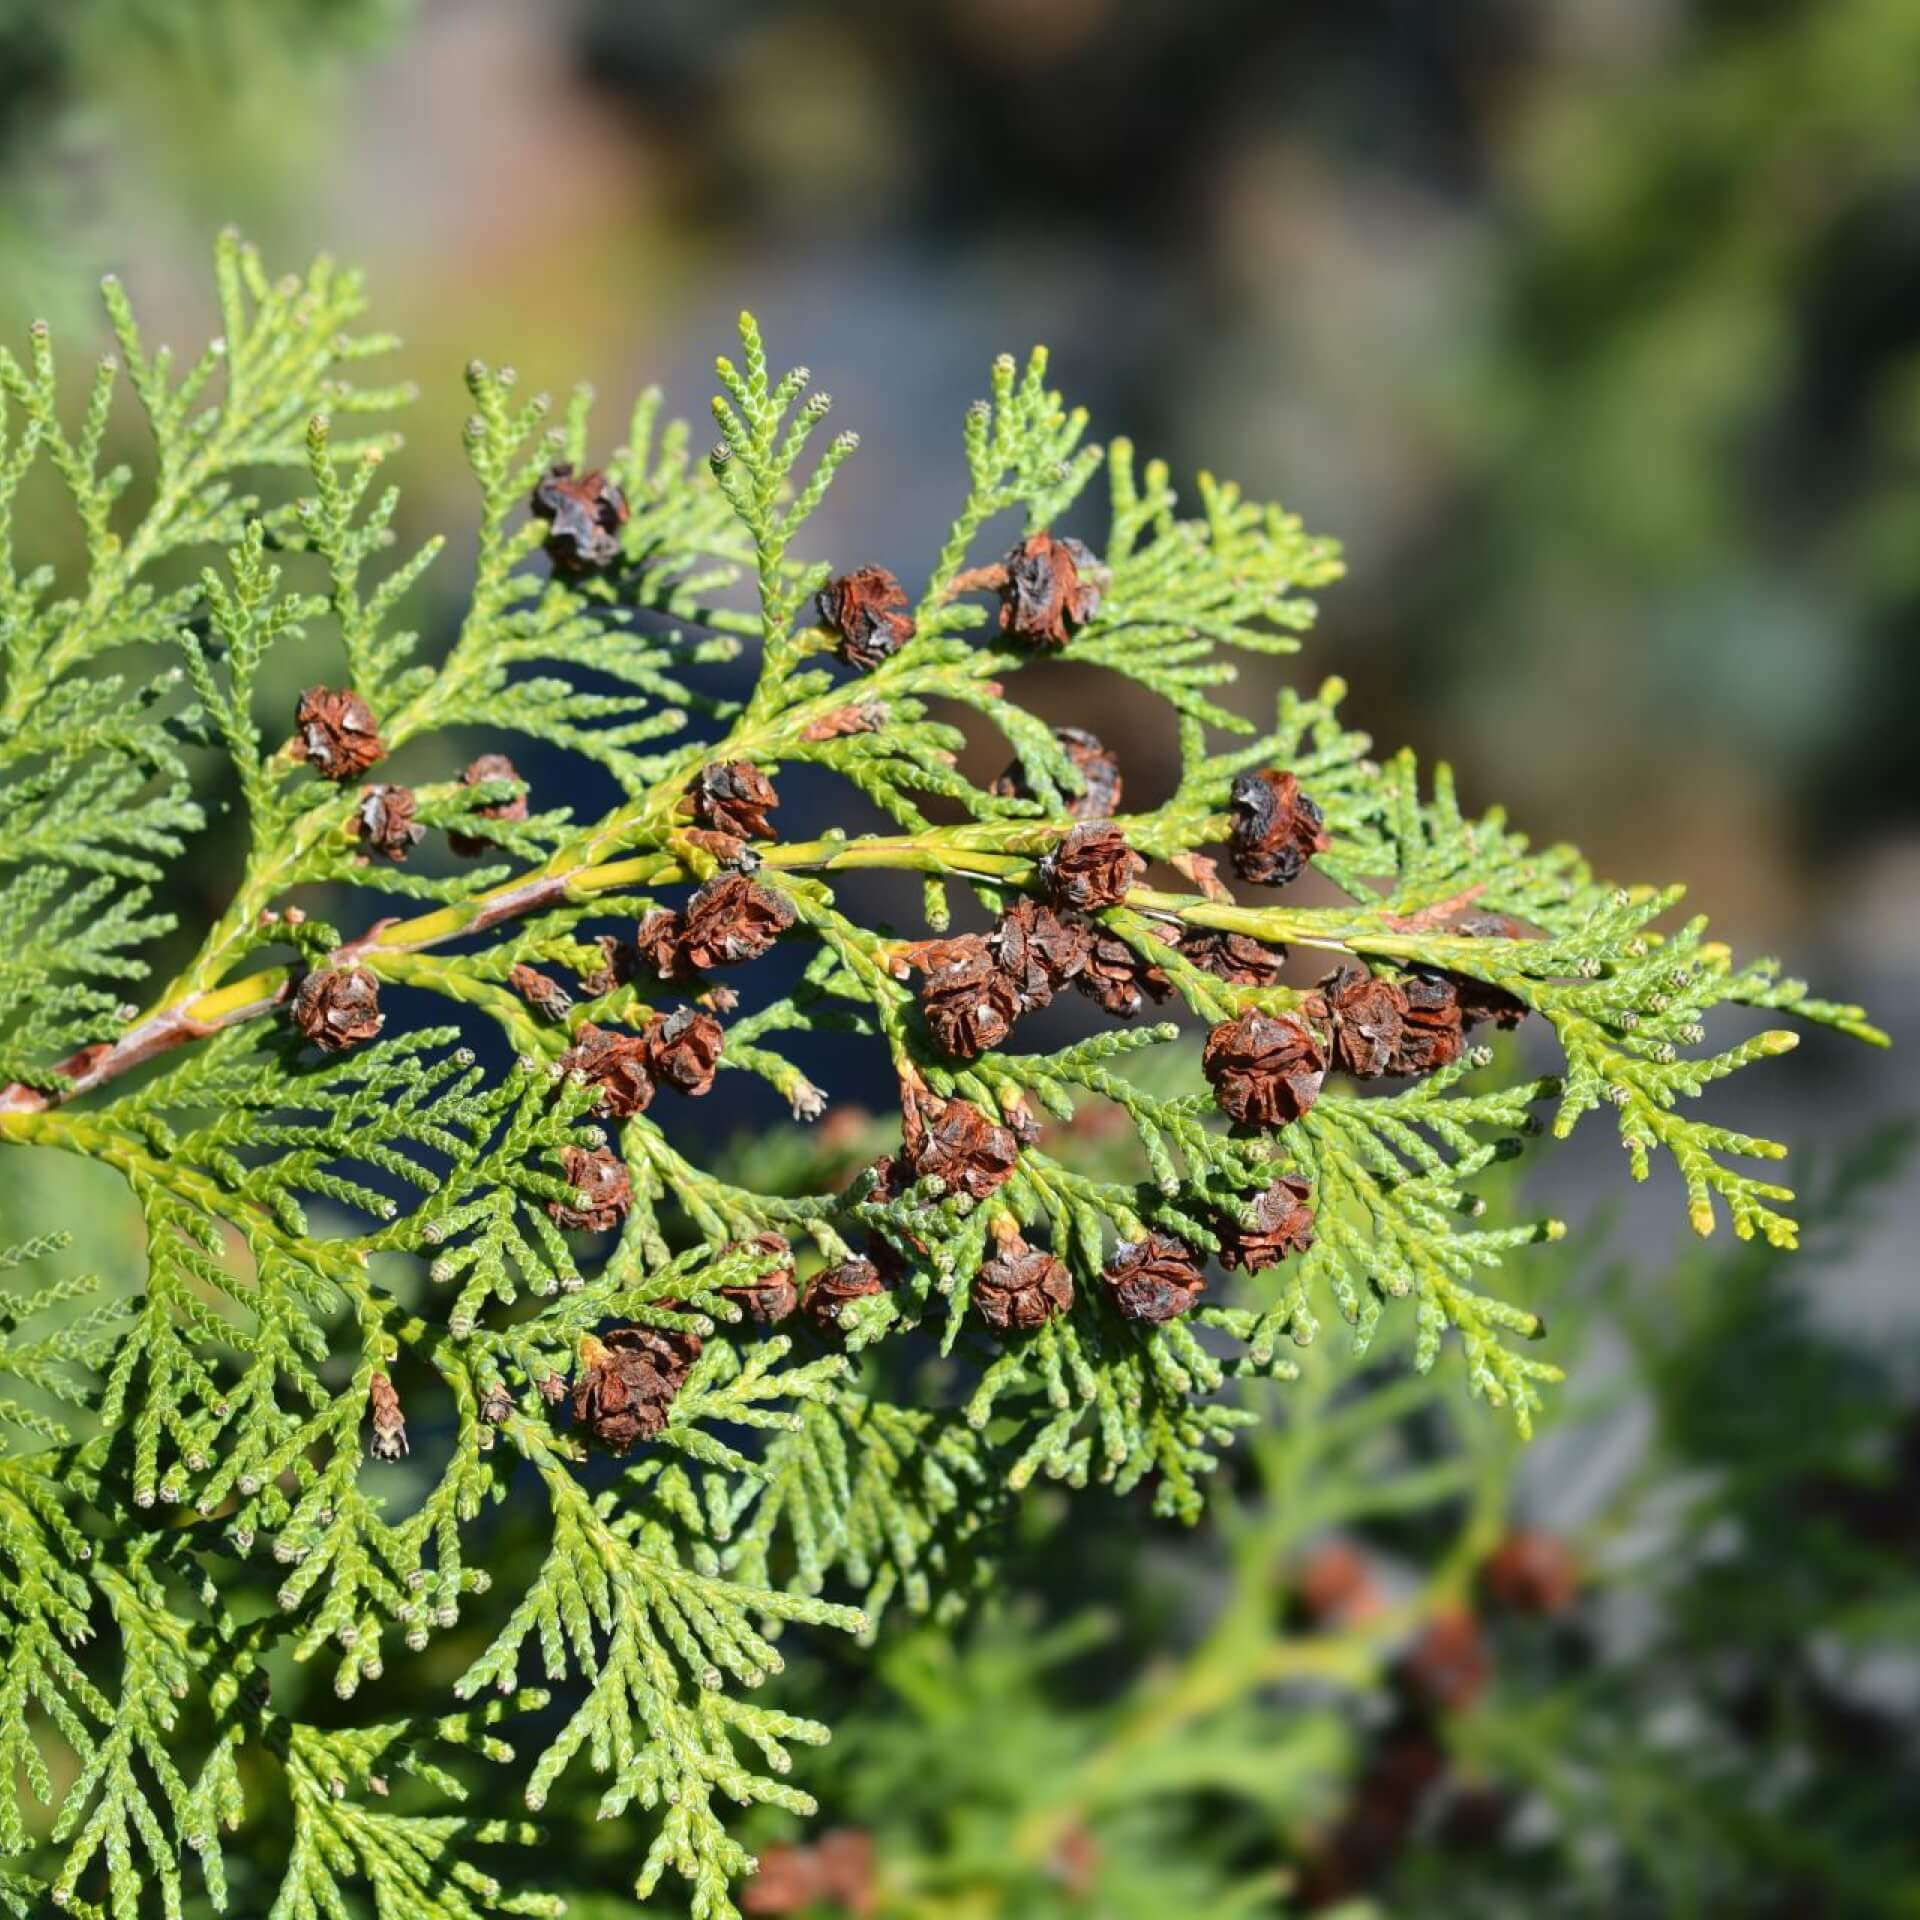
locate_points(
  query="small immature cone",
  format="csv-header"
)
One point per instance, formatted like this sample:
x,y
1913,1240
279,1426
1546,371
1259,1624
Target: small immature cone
x,y
1114,976
734,797
769,1299
628,1379
335,733
865,609
1265,1068
1431,1034
1276,829
1154,1280
1039,951
684,1049
601,1180
584,514
1448,1665
615,1064
496,1405
969,1004
972,1154
384,822
389,1423
489,766
1091,867
1237,958
857,716
1052,590
835,1287
1336,1587
1534,1573
1021,1287
1282,1224
732,919
338,1007
1098,767
540,991
1367,1015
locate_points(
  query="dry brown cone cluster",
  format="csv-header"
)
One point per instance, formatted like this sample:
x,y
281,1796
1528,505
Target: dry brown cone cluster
x,y
1156,1279
866,610
602,1191
489,766
338,1007
1021,1287
1097,766
773,1296
383,822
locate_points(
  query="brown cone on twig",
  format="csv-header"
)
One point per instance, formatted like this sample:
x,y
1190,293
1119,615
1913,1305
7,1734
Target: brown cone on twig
x,y
541,991
838,1286
732,919
684,1049
1431,1033
1154,1280
614,1064
1282,1224
1366,1015
384,822
865,608
489,766
1532,1572
602,1191
1097,765
1237,958
1021,1287
1039,951
335,733
1091,867
970,1153
389,1422
584,513
1053,587
1116,976
338,1007
734,797
1448,1664
1265,1068
628,1379
770,1298
968,1002
1276,829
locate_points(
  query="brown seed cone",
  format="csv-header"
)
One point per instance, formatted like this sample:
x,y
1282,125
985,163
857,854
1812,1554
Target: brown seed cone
x,y
863,608
1021,1287
1053,589
1336,1587
1366,1015
389,1423
497,1404
335,733
660,944
1282,1224
614,1063
1091,867
1533,1572
384,821
1234,957
773,1296
1156,1279
1265,1068
1431,1035
972,1154
628,1379
1448,1665
1276,828
584,514
1098,767
684,1049
338,1007
540,991
836,1874
489,766
1115,976
968,1003
553,1388
619,962
732,919
601,1177
835,1287
734,797
1039,950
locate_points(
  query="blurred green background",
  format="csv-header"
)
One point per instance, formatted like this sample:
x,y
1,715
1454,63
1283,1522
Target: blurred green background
x,y
1591,328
